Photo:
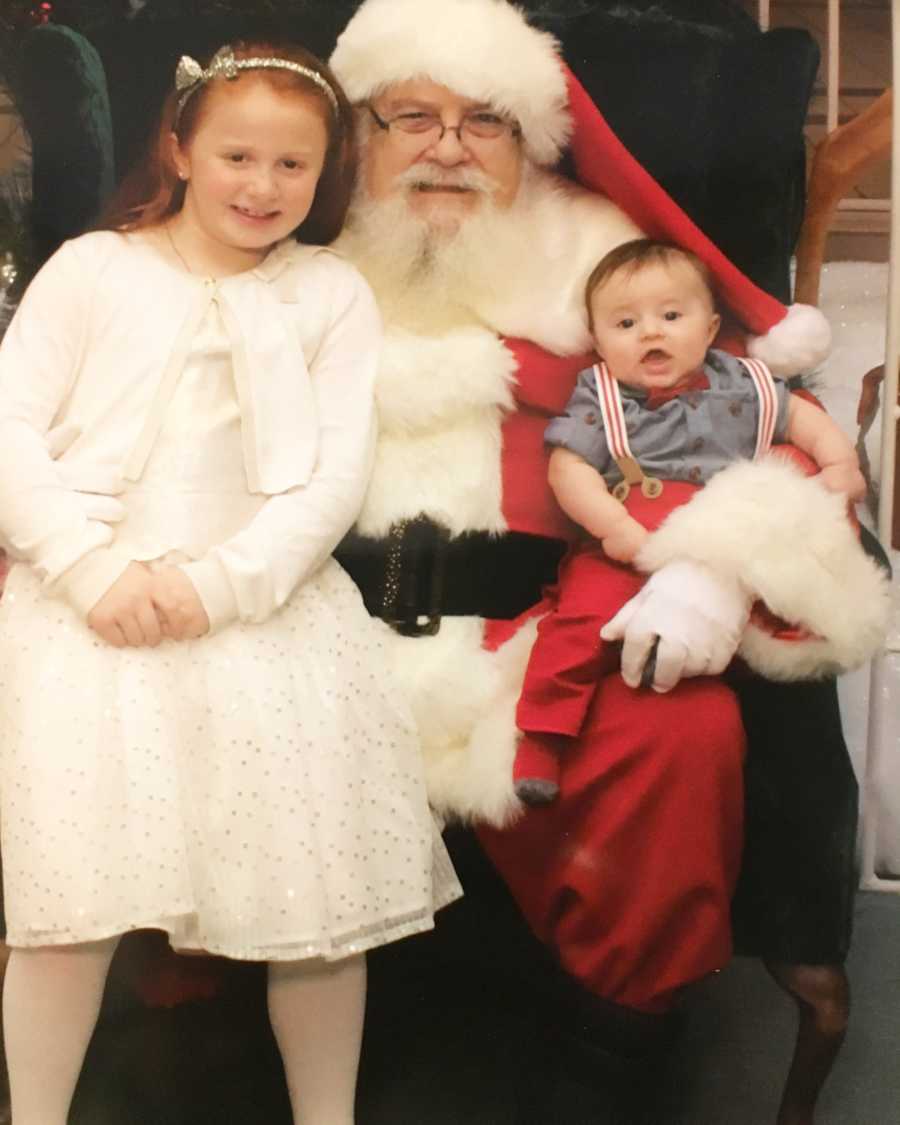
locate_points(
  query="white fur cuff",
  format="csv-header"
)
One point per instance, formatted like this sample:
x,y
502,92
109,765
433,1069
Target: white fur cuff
x,y
790,543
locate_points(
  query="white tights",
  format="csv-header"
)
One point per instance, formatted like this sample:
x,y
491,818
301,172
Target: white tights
x,y
317,1017
51,999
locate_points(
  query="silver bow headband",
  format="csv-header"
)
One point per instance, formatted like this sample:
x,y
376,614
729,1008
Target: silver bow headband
x,y
190,75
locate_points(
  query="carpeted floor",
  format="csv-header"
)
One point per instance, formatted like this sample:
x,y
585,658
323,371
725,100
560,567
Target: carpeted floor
x,y
741,1031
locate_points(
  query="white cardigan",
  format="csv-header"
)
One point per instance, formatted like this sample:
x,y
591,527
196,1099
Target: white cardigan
x,y
94,353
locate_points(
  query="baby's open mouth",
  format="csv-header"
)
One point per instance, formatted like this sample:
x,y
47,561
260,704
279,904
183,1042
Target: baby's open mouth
x,y
655,355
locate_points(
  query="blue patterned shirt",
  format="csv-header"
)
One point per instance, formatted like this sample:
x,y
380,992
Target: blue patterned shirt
x,y
690,437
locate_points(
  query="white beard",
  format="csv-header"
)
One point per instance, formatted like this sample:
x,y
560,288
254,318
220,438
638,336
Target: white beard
x,y
518,270
429,278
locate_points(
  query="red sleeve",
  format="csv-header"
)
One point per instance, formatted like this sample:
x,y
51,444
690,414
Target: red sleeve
x,y
545,380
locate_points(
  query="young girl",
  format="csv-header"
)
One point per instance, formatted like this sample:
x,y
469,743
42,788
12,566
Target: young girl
x,y
197,733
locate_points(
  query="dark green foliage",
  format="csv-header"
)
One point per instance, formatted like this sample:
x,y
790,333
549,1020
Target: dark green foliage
x,y
15,239
65,107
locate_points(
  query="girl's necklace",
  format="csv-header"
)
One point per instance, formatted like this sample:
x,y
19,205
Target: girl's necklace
x,y
178,253
210,280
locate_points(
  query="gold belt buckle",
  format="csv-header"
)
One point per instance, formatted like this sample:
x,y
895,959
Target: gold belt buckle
x,y
401,619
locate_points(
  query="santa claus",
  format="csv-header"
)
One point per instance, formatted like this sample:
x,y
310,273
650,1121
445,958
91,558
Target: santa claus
x,y
478,254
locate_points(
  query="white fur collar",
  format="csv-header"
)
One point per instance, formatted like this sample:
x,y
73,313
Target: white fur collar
x,y
569,231
441,402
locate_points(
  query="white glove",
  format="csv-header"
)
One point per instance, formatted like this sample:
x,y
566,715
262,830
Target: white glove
x,y
697,617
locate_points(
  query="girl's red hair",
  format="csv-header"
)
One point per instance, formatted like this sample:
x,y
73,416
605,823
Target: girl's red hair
x,y
152,191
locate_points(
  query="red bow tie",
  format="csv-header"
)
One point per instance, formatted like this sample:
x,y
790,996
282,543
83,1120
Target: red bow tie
x,y
695,382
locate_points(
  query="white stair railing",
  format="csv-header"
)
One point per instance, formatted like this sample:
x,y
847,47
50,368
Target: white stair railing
x,y
881,784
881,799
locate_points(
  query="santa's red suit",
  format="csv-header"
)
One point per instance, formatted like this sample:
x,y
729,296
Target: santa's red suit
x,y
628,876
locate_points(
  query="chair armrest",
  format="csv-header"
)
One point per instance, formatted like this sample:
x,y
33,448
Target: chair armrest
x,y
874,550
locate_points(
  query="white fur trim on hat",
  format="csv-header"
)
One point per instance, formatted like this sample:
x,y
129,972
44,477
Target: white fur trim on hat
x,y
789,542
796,344
481,49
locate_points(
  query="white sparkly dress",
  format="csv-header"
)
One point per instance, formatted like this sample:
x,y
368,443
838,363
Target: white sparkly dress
x,y
257,793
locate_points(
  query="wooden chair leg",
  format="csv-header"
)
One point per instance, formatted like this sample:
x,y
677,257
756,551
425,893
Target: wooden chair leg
x,y
841,159
822,995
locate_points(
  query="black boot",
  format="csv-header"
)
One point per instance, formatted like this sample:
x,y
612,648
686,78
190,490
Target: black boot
x,y
598,1063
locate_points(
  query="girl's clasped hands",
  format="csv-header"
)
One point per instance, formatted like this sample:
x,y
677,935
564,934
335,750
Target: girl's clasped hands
x,y
149,602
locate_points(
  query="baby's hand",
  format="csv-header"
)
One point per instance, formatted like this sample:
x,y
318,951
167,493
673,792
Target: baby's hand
x,y
125,616
624,540
175,597
844,477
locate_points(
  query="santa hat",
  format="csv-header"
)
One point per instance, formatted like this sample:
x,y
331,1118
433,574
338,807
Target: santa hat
x,y
486,50
482,49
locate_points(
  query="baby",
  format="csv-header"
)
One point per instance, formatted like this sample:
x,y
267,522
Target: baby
x,y
661,405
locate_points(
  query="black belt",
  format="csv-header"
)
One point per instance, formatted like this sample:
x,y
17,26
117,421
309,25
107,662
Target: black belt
x,y
418,573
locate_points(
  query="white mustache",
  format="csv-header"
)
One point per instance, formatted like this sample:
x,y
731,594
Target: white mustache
x,y
428,175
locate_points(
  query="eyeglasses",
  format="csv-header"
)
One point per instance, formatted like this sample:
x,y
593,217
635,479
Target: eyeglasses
x,y
480,125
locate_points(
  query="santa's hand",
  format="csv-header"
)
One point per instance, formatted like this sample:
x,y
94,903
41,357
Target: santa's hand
x,y
697,617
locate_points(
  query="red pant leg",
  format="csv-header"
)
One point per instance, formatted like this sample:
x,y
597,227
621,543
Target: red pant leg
x,y
568,657
629,874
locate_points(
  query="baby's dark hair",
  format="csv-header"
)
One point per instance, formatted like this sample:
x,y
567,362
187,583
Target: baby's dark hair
x,y
631,257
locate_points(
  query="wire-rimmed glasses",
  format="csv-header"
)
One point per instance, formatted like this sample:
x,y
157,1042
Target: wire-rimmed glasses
x,y
477,127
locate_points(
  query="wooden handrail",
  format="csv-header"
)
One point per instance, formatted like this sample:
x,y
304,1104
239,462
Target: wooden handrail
x,y
841,159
